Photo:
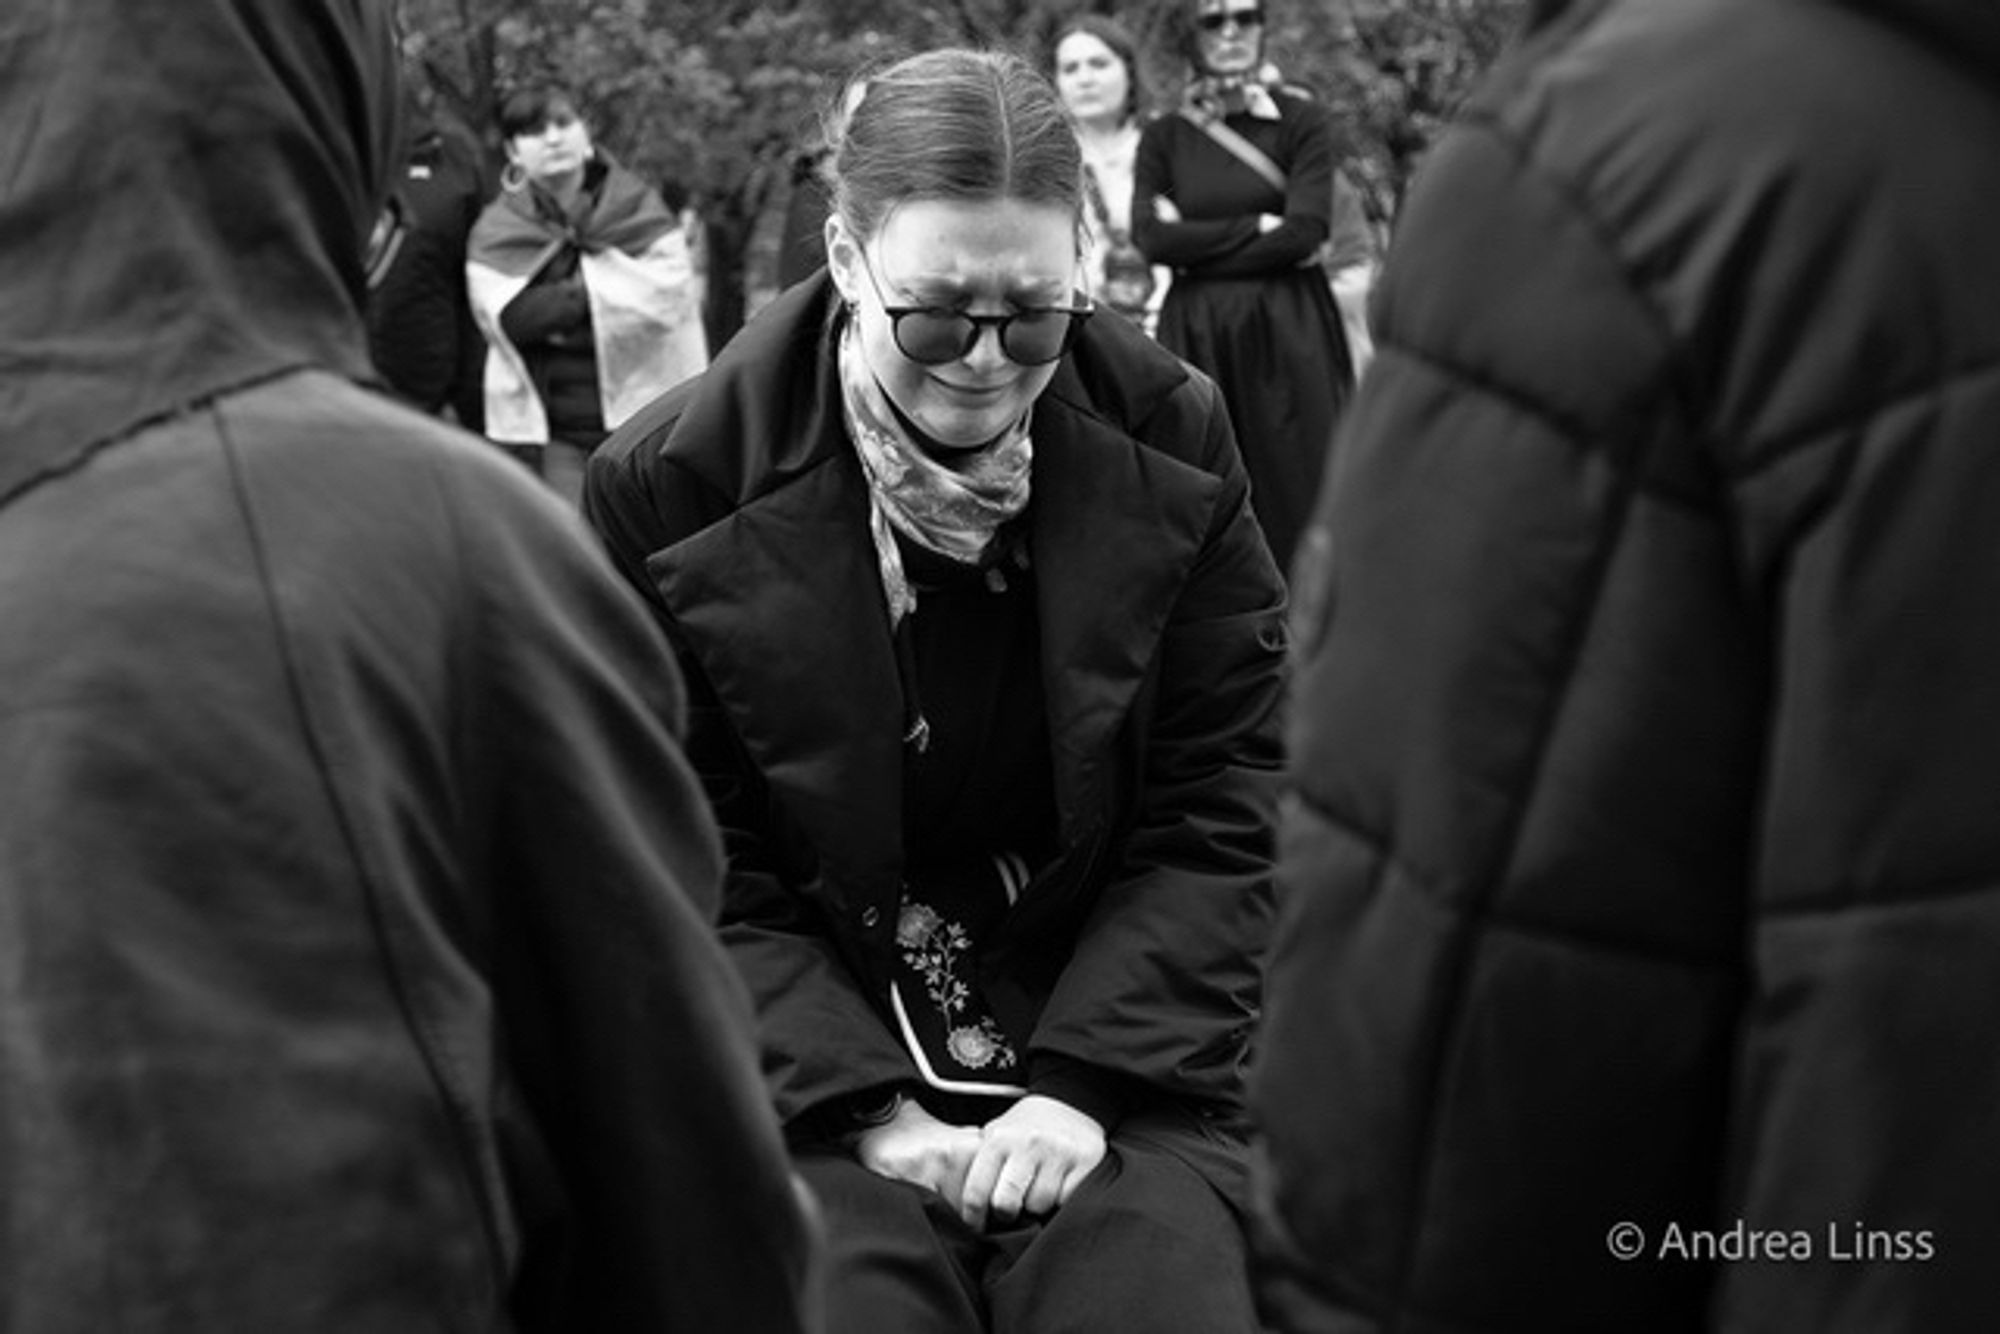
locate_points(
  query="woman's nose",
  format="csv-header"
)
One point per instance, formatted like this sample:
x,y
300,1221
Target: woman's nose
x,y
986,349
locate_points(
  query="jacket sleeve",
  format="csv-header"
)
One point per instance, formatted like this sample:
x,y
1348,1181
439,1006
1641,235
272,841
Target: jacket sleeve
x,y
1515,846
634,1039
553,308
1187,241
1234,247
822,1040
1162,987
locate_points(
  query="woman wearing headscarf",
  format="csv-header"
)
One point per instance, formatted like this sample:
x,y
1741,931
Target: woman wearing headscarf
x,y
584,286
1234,192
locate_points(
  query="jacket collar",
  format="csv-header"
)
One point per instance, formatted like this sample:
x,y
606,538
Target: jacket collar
x,y
783,604
1114,531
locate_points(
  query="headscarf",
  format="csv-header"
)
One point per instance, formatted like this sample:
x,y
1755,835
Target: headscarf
x,y
1211,95
954,508
189,188
1214,96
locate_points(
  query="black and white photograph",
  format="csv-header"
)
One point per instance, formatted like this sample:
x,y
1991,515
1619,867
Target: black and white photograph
x,y
999,667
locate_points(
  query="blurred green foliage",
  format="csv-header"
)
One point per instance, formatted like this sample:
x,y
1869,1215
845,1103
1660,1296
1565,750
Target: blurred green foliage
x,y
714,98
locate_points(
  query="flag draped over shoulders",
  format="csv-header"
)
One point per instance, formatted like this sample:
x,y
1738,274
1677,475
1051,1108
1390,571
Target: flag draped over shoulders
x,y
639,275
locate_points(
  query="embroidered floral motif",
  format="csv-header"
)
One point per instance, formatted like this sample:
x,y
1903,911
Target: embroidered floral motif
x,y
977,1048
933,946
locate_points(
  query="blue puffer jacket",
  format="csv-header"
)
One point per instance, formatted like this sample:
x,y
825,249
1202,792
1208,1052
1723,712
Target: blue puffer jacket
x,y
1642,881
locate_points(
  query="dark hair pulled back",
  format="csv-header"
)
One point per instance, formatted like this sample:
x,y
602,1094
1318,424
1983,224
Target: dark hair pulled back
x,y
952,124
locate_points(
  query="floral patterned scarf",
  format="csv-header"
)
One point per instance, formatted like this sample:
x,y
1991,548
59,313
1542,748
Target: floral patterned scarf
x,y
954,507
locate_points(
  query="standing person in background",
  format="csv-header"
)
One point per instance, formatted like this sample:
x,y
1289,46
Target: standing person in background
x,y
1095,65
681,202
358,967
989,653
1234,192
1642,885
1352,253
421,333
584,286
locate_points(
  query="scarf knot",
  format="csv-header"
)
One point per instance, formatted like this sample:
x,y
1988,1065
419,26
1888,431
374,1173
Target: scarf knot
x,y
1218,95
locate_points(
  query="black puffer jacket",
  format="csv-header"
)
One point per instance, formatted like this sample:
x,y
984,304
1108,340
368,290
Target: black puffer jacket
x,y
1643,867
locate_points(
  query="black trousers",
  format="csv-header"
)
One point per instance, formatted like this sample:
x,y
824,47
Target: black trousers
x,y
1148,1242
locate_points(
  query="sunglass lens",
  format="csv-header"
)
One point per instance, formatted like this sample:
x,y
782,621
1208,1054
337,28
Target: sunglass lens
x,y
933,338
1242,18
1036,338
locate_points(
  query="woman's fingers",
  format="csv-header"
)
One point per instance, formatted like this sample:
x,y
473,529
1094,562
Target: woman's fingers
x,y
1045,1192
981,1180
953,1163
1006,1182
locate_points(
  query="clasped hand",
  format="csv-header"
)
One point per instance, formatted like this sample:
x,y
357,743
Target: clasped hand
x,y
1026,1161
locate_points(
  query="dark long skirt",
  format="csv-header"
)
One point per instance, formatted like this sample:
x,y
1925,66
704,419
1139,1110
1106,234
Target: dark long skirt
x,y
1275,348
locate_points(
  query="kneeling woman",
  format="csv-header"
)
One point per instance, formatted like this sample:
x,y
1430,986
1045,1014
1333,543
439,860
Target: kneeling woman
x,y
987,651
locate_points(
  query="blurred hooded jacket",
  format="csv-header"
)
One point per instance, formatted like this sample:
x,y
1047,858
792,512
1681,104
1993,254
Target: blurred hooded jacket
x,y
356,963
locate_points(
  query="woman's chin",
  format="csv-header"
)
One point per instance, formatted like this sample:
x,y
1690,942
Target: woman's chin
x,y
955,432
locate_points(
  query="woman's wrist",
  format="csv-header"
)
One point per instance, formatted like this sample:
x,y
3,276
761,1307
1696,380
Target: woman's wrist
x,y
870,1110
866,1111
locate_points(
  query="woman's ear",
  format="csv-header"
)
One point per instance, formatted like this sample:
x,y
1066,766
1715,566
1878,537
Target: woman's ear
x,y
843,257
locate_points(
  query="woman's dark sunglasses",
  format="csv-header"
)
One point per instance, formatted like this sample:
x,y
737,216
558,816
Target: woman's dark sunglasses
x,y
933,335
1242,18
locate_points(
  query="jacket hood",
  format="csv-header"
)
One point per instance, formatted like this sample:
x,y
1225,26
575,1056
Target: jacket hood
x,y
188,189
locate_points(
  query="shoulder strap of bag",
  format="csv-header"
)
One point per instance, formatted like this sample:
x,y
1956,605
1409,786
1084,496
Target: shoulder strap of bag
x,y
1240,148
